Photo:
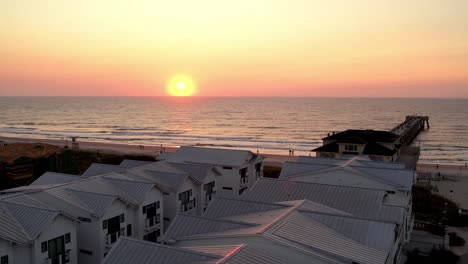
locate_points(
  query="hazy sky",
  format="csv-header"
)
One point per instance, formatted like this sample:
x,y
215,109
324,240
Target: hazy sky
x,y
235,48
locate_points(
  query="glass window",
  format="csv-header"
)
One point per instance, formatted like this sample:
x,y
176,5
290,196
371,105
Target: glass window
x,y
44,246
67,238
122,218
104,224
129,230
144,209
56,247
4,259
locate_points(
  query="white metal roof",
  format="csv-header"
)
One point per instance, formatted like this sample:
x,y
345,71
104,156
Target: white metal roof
x,y
359,202
21,223
223,207
185,225
132,251
127,163
334,234
373,174
99,169
197,171
213,156
237,254
55,178
94,194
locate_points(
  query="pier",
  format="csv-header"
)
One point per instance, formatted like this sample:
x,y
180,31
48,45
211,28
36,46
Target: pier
x,y
410,128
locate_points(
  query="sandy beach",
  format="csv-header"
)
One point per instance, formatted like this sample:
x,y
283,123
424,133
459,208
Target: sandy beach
x,y
452,183
270,159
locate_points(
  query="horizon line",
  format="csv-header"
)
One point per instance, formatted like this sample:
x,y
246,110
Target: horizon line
x,y
237,96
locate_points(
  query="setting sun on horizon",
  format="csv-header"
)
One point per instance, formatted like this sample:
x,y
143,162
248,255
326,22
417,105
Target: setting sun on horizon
x,y
181,85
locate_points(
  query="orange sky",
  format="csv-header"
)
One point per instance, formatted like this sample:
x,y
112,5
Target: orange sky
x,y
235,48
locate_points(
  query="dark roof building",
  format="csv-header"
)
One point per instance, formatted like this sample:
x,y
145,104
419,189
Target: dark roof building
x,y
378,145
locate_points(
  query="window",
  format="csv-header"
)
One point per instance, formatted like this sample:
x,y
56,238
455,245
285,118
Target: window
x,y
158,204
209,191
44,246
351,148
87,252
258,169
227,188
244,176
185,202
104,224
56,247
122,218
129,230
166,219
67,238
144,209
227,168
4,259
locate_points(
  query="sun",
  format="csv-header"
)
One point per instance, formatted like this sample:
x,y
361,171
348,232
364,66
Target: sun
x,y
181,85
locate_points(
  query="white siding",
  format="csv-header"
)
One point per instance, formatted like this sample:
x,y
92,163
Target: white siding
x,y
59,227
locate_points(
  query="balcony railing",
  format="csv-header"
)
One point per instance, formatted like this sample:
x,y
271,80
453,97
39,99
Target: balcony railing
x,y
209,196
112,238
152,221
184,207
244,180
60,259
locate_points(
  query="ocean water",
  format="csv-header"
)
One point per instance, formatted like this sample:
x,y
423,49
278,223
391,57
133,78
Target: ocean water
x,y
271,125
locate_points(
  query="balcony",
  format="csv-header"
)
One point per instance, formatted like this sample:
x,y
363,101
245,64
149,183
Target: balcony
x,y
112,238
152,221
60,259
209,196
184,207
244,181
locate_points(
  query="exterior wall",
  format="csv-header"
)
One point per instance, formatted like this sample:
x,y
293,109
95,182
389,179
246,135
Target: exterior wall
x,y
172,204
202,197
230,179
88,241
23,254
326,155
139,229
170,208
117,208
60,226
16,253
186,186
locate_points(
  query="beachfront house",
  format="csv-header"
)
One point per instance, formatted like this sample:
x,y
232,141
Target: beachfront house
x,y
190,187
108,206
367,203
351,171
297,231
31,232
391,177
375,144
240,169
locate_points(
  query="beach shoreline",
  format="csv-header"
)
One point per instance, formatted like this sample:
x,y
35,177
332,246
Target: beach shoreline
x,y
119,148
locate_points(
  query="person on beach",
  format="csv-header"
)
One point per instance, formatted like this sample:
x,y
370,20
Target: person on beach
x,y
437,166
290,152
